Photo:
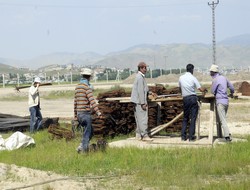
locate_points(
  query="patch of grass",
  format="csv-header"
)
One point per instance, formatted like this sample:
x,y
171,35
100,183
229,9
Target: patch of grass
x,y
178,168
63,94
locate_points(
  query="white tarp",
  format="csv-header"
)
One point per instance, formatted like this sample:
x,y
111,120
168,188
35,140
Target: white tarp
x,y
15,141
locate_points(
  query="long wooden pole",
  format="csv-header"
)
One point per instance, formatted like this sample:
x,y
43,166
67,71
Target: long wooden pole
x,y
160,127
21,87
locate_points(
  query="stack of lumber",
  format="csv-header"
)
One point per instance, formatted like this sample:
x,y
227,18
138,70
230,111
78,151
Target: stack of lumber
x,y
59,132
170,109
14,123
119,116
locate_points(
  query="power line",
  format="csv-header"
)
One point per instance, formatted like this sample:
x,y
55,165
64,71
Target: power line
x,y
213,6
95,6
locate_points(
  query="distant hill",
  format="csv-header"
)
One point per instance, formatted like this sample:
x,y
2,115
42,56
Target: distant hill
x,y
7,69
231,52
241,40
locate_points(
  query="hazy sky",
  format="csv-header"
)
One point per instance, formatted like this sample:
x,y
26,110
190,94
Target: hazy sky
x,y
31,28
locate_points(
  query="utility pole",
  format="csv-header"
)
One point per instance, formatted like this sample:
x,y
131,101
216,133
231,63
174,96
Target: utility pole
x,y
213,6
166,62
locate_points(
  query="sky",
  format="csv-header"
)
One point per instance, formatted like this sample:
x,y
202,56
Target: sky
x,y
31,28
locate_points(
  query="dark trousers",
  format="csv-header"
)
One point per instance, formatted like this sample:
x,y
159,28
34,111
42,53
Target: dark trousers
x,y
190,107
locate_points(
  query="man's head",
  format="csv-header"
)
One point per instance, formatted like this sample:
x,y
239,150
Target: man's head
x,y
190,68
142,67
86,73
214,69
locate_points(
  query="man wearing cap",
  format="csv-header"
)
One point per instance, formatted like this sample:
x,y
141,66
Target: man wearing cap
x,y
188,85
139,96
34,106
84,102
219,87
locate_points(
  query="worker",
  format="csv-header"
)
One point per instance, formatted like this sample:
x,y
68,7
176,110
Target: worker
x,y
84,103
188,84
139,95
219,88
34,106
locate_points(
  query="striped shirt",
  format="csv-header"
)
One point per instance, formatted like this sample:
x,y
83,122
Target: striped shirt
x,y
84,100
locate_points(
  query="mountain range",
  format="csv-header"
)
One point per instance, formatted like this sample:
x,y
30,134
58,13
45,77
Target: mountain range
x,y
232,52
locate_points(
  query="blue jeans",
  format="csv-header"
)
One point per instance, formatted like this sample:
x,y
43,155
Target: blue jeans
x,y
85,120
35,119
190,106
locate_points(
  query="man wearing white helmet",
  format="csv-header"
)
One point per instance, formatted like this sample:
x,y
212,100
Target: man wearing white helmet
x,y
84,103
219,88
34,106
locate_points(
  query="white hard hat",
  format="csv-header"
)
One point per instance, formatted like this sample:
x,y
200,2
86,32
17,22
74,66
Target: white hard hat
x,y
214,68
37,79
86,71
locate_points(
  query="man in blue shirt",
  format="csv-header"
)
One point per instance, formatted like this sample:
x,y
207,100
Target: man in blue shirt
x,y
219,88
188,85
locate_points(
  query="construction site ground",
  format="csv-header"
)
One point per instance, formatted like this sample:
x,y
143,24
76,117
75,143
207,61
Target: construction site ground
x,y
63,108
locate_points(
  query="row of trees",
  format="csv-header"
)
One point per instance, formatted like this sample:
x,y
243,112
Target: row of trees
x,y
107,74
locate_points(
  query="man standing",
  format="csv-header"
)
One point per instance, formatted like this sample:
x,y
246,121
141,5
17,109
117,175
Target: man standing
x,y
219,88
188,85
84,102
139,96
34,106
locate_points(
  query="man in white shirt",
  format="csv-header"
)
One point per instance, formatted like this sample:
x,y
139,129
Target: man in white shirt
x,y
188,85
34,106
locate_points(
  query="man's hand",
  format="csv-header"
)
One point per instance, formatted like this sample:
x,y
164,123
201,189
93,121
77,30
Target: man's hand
x,y
99,115
144,107
152,96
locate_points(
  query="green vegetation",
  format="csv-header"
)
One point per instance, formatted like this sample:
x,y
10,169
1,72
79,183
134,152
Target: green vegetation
x,y
222,167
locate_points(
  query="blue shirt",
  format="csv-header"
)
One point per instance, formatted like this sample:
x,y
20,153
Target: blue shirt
x,y
219,88
188,84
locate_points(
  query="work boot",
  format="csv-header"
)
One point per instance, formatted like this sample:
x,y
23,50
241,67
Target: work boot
x,y
147,138
138,137
80,149
228,139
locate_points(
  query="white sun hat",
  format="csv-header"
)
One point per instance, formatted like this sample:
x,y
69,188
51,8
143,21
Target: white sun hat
x,y
37,79
214,68
86,71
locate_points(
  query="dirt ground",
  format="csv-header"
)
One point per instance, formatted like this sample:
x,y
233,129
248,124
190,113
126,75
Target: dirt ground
x,y
14,177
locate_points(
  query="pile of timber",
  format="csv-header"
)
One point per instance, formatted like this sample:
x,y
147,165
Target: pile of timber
x,y
14,123
58,132
245,88
242,87
119,117
170,109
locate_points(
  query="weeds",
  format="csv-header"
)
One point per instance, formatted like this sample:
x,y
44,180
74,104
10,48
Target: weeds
x,y
156,168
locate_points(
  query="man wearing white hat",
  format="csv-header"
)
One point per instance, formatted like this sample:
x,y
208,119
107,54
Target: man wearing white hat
x,y
84,102
219,87
34,106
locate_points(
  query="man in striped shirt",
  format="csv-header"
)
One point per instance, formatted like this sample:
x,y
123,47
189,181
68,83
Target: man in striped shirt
x,y
84,103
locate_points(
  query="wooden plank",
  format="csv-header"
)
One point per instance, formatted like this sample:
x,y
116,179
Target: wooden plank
x,y
211,123
160,127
